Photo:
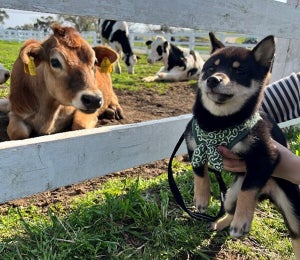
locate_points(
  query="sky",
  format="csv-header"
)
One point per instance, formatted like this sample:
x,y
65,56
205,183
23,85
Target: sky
x,y
18,17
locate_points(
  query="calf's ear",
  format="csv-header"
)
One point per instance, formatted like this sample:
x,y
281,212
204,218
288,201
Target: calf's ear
x,y
32,50
103,51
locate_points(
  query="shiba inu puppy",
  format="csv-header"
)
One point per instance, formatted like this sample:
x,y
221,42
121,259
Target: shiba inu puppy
x,y
226,112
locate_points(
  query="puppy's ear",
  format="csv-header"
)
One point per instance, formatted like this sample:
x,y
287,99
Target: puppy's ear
x,y
215,43
264,51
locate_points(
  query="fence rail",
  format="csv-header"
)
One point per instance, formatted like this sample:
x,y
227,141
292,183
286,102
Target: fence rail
x,y
42,163
188,39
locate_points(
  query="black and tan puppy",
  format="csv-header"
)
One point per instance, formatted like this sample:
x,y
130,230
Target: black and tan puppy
x,y
226,112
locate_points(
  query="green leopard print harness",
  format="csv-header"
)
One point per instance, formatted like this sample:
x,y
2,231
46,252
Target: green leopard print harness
x,y
207,142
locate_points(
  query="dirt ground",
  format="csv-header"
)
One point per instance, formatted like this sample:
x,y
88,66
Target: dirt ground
x,y
139,106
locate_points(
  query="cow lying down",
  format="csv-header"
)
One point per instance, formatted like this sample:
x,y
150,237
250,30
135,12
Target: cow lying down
x,y
180,64
59,82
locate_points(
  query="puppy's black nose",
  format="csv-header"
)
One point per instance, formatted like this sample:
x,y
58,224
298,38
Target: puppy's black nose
x,y
213,82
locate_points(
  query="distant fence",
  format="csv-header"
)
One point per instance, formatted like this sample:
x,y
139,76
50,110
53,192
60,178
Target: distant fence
x,y
189,39
21,35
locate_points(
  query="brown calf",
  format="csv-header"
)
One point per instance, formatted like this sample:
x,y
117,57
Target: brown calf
x,y
57,82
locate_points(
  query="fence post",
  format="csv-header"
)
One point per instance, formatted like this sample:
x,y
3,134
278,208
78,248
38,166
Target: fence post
x,y
287,54
192,40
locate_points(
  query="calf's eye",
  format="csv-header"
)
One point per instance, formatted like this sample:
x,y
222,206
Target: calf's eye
x,y
55,63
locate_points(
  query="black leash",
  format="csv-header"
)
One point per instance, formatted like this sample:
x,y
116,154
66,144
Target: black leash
x,y
178,198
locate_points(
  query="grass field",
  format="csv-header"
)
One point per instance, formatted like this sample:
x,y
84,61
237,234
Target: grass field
x,y
134,217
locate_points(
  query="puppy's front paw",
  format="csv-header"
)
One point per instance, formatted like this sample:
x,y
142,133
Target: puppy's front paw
x,y
201,192
240,227
222,223
201,201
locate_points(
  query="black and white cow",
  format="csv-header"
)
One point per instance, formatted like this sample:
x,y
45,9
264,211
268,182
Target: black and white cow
x,y
180,64
116,35
4,74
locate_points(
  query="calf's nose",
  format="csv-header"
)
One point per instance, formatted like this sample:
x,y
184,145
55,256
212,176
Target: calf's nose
x,y
91,102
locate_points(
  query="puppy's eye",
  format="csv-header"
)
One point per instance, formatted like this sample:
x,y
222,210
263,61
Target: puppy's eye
x,y
210,69
55,63
238,70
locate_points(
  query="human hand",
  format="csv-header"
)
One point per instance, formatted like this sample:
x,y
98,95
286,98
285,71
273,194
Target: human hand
x,y
231,161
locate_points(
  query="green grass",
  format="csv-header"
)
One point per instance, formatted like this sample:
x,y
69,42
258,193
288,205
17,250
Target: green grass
x,y
134,82
8,54
134,217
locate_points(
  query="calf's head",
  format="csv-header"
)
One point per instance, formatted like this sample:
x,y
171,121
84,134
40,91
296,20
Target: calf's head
x,y
66,64
130,60
159,49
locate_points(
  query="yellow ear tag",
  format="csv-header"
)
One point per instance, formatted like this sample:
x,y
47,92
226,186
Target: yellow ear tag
x,y
149,47
30,67
106,65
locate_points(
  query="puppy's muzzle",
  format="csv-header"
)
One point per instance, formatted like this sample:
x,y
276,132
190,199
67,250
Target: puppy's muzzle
x,y
213,81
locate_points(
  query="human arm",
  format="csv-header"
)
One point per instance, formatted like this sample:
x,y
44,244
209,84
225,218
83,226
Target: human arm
x,y
288,167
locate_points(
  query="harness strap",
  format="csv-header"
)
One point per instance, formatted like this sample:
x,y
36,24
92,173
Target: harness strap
x,y
178,198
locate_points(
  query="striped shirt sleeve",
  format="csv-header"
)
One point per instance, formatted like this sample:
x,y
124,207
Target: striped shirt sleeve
x,y
282,98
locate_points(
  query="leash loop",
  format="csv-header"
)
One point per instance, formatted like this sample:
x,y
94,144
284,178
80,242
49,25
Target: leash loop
x,y
177,195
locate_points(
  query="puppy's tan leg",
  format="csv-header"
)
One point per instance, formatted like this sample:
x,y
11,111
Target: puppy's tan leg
x,y
296,247
222,223
202,190
244,212
230,204
84,121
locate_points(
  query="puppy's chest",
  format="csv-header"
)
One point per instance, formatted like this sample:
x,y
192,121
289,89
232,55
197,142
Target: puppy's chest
x,y
237,138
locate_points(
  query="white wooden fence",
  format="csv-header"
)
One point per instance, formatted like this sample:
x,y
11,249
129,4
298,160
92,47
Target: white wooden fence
x,y
188,39
47,162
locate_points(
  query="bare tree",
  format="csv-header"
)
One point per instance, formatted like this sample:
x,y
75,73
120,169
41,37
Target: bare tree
x,y
81,23
43,23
